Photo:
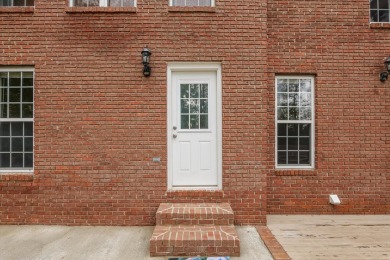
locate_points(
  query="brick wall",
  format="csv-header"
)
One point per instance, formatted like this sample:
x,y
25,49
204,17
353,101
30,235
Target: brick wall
x,y
334,41
99,122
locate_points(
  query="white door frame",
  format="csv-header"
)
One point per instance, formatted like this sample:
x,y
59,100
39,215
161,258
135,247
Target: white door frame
x,y
193,67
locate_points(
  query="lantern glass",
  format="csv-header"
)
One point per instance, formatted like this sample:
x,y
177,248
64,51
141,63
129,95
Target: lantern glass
x,y
145,55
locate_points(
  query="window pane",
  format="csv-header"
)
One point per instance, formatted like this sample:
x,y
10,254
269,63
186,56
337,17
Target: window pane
x,y
305,85
184,91
304,129
81,2
29,2
28,144
293,85
204,106
292,129
28,160
373,4
5,3
14,111
27,110
3,111
185,122
292,157
184,106
305,99
204,91
293,113
178,2
4,144
27,80
383,4
28,94
3,94
17,144
282,143
194,106
18,2
204,2
5,160
14,94
282,113
282,85
16,129
4,129
374,16
204,123
16,160
93,3
128,2
28,129
293,100
194,90
3,78
282,157
304,143
384,16
282,129
115,3
194,122
15,79
304,113
304,158
292,143
282,99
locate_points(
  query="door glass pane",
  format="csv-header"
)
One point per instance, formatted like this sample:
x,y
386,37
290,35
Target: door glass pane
x,y
194,122
194,106
204,121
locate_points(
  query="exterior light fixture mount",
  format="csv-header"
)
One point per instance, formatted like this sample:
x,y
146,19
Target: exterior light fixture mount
x,y
145,61
385,74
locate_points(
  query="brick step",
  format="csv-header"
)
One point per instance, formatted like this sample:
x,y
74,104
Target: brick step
x,y
194,214
194,240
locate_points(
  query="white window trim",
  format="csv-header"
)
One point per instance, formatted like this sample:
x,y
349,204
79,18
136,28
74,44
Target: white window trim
x,y
102,3
212,4
20,171
312,122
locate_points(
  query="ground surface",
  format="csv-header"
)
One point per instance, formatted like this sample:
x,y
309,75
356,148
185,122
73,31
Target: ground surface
x,y
130,243
319,237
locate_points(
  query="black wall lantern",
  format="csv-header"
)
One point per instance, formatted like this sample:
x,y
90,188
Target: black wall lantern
x,y
145,60
385,74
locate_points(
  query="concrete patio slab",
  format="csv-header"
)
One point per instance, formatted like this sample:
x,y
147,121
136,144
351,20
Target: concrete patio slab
x,y
333,236
64,242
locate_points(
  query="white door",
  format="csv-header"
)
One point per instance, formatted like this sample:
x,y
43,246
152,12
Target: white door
x,y
193,129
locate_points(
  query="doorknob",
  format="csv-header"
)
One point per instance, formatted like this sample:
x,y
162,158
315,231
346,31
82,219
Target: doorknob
x,y
174,135
174,128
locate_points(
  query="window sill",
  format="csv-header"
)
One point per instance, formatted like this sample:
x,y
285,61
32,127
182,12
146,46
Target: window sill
x,y
295,172
17,9
17,176
380,25
190,9
101,9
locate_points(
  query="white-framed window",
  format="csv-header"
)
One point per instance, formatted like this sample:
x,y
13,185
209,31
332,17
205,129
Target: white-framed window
x,y
103,3
16,119
294,122
191,2
379,11
16,2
